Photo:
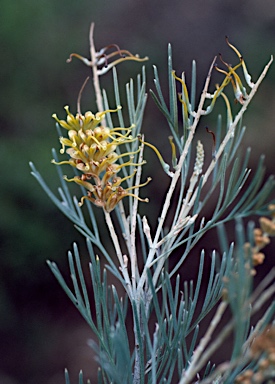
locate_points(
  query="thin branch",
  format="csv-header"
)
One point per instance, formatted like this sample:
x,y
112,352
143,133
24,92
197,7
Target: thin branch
x,y
133,220
174,182
97,88
263,284
230,132
192,369
80,95
221,337
125,222
244,359
122,259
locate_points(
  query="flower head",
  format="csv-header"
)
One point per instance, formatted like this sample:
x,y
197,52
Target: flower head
x,y
92,150
85,122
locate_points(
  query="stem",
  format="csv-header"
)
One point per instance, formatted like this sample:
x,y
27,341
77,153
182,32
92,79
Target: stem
x,y
244,359
122,260
173,185
186,208
192,369
263,284
126,233
133,221
220,338
99,101
229,135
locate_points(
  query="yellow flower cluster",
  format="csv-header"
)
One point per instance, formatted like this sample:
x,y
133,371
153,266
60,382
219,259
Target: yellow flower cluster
x,y
92,150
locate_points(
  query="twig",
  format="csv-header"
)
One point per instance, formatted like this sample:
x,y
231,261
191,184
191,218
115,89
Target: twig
x,y
133,223
219,340
242,359
230,132
173,184
266,295
125,222
192,370
80,95
263,284
97,88
257,328
122,259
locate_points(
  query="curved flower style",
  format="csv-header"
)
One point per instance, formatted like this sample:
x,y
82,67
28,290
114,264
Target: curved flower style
x,y
102,58
91,148
230,77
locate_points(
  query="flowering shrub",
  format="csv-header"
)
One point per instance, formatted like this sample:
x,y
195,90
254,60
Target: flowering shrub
x,y
107,164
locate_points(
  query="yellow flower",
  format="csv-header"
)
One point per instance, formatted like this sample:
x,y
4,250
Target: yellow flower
x,y
91,147
106,192
84,122
92,150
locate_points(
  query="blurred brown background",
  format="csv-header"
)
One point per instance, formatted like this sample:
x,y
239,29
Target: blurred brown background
x,y
40,331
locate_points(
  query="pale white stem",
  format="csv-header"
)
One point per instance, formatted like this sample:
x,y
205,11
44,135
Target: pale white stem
x,y
123,217
220,338
263,284
99,100
186,202
175,179
170,238
244,358
236,121
268,293
176,229
133,223
122,259
193,181
230,133
188,375
147,231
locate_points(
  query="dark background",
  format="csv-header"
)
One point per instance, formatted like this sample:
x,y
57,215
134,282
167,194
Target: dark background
x,y
40,331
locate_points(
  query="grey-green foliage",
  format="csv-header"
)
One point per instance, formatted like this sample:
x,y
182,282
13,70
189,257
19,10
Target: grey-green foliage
x,y
174,313
166,350
166,317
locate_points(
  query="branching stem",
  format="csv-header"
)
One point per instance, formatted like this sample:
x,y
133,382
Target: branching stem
x,y
173,186
121,259
192,369
97,88
133,223
228,136
222,336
